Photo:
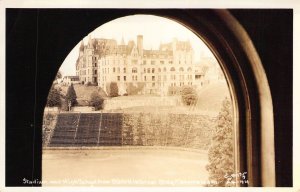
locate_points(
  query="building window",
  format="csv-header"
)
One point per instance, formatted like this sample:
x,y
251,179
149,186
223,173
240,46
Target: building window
x,y
152,62
159,70
165,69
153,78
170,62
181,69
153,70
118,78
124,78
153,84
114,69
162,62
144,62
173,77
145,78
172,69
148,70
124,70
134,70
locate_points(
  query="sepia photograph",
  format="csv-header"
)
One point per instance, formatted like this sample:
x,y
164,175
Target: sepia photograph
x,y
139,106
149,98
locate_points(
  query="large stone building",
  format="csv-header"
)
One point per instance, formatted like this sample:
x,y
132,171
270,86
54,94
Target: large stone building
x,y
137,70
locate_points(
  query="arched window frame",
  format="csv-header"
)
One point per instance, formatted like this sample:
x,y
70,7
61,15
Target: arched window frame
x,y
250,91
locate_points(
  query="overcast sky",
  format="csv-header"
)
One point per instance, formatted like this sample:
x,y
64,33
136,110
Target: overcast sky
x,y
155,30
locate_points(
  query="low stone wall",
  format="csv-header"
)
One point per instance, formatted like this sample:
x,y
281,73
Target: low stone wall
x,y
51,109
82,109
122,103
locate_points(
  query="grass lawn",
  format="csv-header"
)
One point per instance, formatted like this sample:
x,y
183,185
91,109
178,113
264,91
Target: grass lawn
x,y
211,96
209,102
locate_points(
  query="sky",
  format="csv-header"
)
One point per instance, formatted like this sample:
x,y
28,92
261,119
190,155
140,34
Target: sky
x,y
155,30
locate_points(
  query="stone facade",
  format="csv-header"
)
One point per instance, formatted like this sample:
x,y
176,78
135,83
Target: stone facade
x,y
159,72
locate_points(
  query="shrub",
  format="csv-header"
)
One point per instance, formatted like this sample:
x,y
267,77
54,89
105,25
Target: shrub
x,y
220,154
58,75
96,101
54,98
134,89
188,95
64,105
114,90
71,96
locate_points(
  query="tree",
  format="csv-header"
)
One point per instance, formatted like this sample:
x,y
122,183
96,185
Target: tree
x,y
54,98
96,101
140,130
188,95
220,154
58,75
133,89
71,95
114,90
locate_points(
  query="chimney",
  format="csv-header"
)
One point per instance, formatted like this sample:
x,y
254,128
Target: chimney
x,y
140,44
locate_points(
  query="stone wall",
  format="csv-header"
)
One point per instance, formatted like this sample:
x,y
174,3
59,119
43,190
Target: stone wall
x,y
82,109
125,102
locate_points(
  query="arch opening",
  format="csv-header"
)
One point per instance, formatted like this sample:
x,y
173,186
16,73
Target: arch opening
x,y
153,77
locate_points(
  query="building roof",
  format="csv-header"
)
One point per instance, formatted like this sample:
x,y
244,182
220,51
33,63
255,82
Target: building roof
x,y
104,47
